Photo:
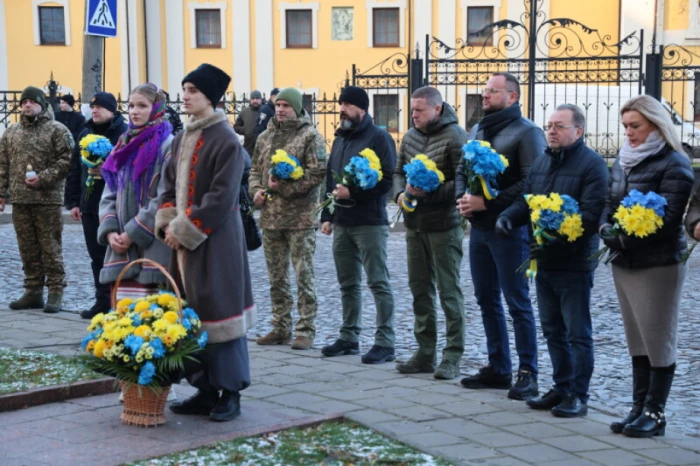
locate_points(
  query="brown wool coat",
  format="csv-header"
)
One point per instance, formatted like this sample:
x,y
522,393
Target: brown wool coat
x,y
200,206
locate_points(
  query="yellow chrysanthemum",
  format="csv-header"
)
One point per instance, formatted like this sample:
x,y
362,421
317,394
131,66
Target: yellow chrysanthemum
x,y
160,325
535,215
297,173
176,332
171,317
142,306
166,299
504,160
126,358
430,165
158,313
168,340
146,315
485,143
99,350
124,322
152,298
638,221
126,302
572,227
143,331
535,201
90,346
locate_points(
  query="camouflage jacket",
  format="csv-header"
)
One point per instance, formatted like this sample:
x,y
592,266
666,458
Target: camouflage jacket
x,y
46,145
290,208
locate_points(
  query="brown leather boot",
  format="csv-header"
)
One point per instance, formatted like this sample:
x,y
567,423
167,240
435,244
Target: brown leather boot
x,y
275,337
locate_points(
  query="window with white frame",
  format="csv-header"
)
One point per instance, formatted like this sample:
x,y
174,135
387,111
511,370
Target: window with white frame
x,y
392,28
478,17
208,24
298,25
51,20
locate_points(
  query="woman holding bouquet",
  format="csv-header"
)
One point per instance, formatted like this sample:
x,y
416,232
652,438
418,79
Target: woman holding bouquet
x,y
648,271
130,200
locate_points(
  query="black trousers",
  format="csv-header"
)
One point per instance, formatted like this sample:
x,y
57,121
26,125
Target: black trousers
x,y
91,223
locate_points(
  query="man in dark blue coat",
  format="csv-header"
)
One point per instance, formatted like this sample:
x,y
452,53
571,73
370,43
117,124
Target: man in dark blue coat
x,y
108,122
360,229
565,269
267,111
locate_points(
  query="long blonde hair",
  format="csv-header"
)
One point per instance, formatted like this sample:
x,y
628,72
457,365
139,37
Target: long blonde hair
x,y
652,110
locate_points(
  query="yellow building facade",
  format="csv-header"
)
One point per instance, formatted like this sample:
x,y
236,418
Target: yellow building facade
x,y
307,44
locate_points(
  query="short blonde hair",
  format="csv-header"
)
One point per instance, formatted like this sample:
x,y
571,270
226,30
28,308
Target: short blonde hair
x,y
652,110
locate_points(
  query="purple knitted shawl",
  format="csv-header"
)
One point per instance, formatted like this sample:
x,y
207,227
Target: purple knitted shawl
x,y
136,153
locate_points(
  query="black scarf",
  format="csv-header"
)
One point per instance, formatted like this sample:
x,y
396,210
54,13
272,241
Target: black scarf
x,y
492,124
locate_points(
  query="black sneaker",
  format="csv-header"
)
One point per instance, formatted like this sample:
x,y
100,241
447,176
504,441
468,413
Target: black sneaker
x,y
487,377
378,354
547,401
94,310
341,347
525,387
571,406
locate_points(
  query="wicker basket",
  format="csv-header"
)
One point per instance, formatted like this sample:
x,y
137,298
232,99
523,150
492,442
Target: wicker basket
x,y
144,406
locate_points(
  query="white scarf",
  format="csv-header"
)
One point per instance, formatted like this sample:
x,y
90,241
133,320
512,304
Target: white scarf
x,y
633,156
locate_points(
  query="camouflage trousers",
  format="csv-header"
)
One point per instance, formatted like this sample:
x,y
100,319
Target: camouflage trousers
x,y
39,228
300,246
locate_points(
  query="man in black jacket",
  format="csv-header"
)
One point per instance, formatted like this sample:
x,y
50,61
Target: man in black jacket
x,y
72,120
361,229
108,122
565,269
493,259
267,111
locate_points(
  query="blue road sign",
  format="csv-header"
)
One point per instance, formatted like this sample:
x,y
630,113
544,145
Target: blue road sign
x,y
102,18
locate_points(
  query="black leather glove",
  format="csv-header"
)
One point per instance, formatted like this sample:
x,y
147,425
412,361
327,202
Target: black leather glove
x,y
504,226
611,239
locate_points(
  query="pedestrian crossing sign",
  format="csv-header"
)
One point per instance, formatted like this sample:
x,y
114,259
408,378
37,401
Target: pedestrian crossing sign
x,y
101,18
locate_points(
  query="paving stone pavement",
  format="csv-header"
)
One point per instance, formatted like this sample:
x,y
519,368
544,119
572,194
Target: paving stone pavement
x,y
611,383
468,427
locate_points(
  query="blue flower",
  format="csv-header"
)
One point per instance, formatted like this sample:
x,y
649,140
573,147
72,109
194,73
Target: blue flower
x,y
85,341
418,176
650,200
134,343
550,220
483,160
202,340
147,372
570,205
158,348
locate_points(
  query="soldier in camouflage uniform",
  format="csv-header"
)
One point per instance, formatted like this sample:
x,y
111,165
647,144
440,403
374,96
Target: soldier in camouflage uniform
x,y
46,145
286,220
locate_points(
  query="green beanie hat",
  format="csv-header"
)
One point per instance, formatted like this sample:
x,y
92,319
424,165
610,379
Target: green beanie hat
x,y
35,94
292,97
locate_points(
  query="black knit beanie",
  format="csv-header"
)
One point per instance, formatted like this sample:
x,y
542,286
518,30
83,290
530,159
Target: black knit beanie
x,y
69,99
356,96
35,94
210,80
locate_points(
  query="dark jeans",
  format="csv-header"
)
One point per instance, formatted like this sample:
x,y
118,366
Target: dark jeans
x,y
494,260
91,223
564,300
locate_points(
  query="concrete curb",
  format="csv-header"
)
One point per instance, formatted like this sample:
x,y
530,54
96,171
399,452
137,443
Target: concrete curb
x,y
56,393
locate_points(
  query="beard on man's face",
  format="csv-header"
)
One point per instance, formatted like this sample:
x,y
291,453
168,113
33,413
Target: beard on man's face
x,y
348,122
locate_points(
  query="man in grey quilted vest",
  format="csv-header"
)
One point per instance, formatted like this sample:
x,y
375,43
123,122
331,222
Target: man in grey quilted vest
x,y
434,234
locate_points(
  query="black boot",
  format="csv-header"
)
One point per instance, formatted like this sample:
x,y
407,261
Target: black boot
x,y
228,407
640,386
652,421
200,403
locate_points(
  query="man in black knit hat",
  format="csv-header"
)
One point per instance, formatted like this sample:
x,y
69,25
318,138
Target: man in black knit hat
x,y
361,230
267,111
72,120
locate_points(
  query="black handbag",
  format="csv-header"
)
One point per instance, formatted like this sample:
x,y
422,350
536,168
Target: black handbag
x,y
253,240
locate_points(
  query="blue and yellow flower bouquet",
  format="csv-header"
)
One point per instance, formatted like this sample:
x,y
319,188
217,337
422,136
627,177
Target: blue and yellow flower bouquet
x,y
553,217
364,171
285,168
94,149
421,173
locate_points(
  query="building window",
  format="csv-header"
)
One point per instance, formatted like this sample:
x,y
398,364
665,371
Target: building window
x,y
386,27
208,28
52,25
299,32
474,110
386,112
478,17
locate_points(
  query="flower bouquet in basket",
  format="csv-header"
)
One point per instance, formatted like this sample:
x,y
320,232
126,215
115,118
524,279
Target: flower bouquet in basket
x,y
482,166
285,168
142,343
364,171
94,150
638,215
422,173
554,218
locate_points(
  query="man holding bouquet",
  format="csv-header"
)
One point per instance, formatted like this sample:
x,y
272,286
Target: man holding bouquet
x,y
565,269
494,259
108,122
360,228
433,234
286,216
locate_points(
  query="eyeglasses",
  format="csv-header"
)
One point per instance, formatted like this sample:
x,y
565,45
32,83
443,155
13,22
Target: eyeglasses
x,y
492,90
558,127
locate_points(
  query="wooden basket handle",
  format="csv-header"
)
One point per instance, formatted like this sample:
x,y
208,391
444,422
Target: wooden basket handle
x,y
156,265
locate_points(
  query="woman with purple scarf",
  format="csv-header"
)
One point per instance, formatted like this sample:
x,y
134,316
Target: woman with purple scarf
x,y
133,187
